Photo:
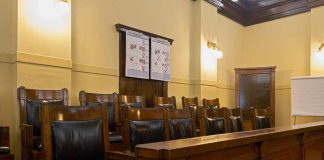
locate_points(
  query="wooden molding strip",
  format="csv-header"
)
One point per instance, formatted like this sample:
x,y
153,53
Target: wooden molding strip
x,y
7,58
94,70
43,60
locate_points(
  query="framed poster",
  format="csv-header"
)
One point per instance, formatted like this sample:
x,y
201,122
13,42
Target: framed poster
x,y
137,55
160,59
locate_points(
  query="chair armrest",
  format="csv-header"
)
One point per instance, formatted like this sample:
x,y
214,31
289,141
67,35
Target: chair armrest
x,y
117,155
26,135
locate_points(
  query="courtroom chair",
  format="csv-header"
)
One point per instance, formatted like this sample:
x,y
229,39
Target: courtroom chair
x,y
211,103
29,102
143,125
213,121
192,103
132,101
111,102
74,132
235,120
168,102
262,118
180,123
4,140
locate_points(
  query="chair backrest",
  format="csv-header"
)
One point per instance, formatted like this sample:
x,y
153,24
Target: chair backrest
x,y
192,103
109,100
235,120
213,121
132,101
30,101
74,132
169,102
4,140
143,125
262,118
211,103
180,123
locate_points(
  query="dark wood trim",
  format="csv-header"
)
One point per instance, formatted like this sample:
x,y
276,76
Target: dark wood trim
x,y
122,28
290,142
250,15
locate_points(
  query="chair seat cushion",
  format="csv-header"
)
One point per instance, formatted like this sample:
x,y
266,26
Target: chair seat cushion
x,y
263,122
146,132
215,125
180,128
77,140
4,150
236,124
115,138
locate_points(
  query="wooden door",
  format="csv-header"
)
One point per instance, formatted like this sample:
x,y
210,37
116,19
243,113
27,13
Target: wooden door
x,y
254,87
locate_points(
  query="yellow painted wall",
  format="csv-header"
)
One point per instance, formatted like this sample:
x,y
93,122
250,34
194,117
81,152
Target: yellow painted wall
x,y
8,27
44,28
283,43
95,41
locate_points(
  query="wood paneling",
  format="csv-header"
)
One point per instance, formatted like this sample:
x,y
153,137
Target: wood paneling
x,y
300,142
249,12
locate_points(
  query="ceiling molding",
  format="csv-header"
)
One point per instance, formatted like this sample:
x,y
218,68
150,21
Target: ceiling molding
x,y
248,12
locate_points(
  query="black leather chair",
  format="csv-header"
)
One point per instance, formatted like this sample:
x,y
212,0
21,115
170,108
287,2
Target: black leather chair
x,y
111,102
262,118
4,140
30,101
235,120
213,121
141,126
74,132
180,123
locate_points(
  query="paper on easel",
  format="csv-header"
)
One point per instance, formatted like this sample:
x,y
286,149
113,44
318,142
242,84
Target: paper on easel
x,y
137,55
160,59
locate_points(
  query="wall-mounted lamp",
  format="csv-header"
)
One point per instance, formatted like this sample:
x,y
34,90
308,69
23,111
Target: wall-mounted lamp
x,y
320,48
215,49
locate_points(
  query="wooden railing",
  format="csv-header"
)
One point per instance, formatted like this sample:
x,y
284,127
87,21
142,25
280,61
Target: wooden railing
x,y
299,142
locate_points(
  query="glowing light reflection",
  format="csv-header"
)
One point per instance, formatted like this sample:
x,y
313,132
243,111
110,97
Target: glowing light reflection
x,y
48,15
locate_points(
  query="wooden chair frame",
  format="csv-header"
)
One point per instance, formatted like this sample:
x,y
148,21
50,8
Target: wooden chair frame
x,y
211,102
46,96
71,113
129,99
86,97
189,102
4,137
212,113
161,101
262,112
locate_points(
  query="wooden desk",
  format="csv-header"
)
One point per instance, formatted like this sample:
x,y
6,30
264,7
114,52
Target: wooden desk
x,y
298,142
7,157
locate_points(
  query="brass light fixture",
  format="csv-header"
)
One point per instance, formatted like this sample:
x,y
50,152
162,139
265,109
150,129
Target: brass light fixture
x,y
215,49
320,48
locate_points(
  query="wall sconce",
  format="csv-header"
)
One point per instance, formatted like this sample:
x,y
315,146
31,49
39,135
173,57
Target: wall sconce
x,y
320,48
215,49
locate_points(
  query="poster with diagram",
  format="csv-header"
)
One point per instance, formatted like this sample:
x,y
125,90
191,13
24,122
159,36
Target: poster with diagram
x,y
137,55
160,59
